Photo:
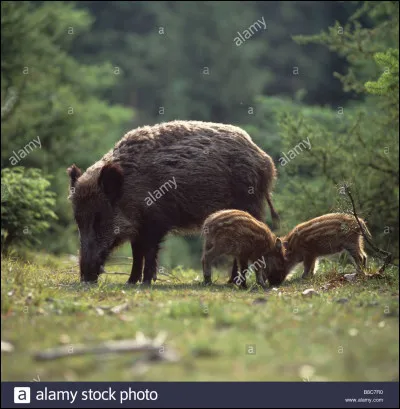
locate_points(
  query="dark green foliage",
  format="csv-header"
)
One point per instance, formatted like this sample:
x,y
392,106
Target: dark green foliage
x,y
359,143
179,60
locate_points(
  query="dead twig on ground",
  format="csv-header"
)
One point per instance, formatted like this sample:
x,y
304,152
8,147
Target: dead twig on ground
x,y
140,344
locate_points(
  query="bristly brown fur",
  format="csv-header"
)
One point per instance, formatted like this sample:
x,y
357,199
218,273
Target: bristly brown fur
x,y
238,234
325,235
214,166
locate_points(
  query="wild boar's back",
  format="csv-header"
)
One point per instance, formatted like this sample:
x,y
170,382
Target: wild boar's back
x,y
202,167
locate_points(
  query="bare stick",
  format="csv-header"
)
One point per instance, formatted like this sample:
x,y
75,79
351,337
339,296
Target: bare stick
x,y
128,345
386,256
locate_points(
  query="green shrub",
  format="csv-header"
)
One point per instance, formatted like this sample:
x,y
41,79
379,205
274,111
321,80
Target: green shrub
x,y
26,206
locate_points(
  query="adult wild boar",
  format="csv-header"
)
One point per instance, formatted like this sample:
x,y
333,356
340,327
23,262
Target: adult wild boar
x,y
165,178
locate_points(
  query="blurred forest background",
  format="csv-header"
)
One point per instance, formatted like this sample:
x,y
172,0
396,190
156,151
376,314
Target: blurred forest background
x,y
78,75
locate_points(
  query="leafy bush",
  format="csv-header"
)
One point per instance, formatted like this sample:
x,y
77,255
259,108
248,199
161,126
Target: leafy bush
x,y
26,206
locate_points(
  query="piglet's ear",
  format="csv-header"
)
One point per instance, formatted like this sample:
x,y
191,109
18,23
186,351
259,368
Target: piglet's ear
x,y
111,180
278,244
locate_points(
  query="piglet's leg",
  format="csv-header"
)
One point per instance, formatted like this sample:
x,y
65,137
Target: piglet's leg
x,y
260,279
359,259
234,272
309,266
207,260
241,278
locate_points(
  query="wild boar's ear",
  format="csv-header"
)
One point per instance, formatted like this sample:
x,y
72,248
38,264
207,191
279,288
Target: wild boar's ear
x,y
110,181
74,174
278,244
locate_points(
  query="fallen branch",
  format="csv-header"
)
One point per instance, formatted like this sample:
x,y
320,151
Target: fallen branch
x,y
139,344
386,256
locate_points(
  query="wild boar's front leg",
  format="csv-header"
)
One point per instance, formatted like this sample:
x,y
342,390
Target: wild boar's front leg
x,y
137,266
260,279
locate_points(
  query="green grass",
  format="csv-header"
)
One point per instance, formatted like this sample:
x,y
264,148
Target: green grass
x,y
350,332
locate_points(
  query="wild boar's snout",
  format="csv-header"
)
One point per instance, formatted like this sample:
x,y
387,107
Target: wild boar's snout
x,y
276,279
90,269
90,261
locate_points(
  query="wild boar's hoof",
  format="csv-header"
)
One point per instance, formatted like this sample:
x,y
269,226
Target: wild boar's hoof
x,y
130,283
133,280
89,281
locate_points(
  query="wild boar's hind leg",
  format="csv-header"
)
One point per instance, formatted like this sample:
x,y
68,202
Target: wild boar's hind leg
x,y
151,235
364,262
309,266
243,263
150,263
137,266
359,257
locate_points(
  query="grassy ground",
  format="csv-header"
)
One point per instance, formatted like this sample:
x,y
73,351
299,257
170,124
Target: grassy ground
x,y
349,332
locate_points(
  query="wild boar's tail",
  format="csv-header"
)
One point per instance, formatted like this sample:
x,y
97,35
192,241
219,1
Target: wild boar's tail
x,y
271,176
274,213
